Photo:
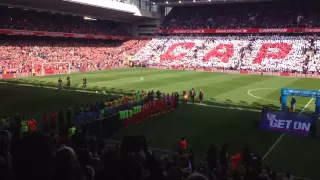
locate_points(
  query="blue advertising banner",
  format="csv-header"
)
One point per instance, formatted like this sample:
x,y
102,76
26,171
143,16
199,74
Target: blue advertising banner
x,y
291,123
91,116
300,92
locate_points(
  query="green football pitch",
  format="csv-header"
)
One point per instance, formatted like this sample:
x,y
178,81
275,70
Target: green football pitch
x,y
232,105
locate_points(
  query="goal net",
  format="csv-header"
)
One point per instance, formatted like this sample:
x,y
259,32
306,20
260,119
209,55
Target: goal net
x,y
55,68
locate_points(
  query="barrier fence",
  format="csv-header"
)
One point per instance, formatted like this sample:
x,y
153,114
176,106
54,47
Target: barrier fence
x,y
239,31
111,123
81,70
315,75
66,35
53,72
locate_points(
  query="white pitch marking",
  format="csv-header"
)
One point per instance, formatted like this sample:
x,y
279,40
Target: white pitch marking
x,y
281,136
257,97
120,80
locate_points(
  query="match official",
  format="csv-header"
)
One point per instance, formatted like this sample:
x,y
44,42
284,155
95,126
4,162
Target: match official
x,y
192,94
201,96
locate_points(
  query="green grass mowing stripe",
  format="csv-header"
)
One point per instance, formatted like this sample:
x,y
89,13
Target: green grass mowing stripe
x,y
201,124
113,79
224,87
240,94
222,117
99,76
140,73
281,136
33,102
117,76
87,90
133,82
159,83
268,96
297,83
228,86
114,83
282,151
78,80
188,84
296,154
118,81
83,74
79,76
276,151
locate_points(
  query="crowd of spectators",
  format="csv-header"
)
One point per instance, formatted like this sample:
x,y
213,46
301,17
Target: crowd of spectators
x,y
84,154
40,156
25,54
255,53
275,14
19,19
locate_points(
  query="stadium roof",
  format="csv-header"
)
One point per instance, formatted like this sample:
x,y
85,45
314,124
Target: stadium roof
x,y
65,7
199,2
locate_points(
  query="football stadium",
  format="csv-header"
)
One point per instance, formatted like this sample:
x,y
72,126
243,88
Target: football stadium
x,y
159,90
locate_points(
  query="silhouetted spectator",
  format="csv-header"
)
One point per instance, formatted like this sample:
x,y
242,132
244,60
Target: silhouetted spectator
x,y
33,157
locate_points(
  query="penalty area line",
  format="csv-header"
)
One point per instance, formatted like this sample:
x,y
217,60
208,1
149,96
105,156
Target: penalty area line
x,y
123,80
281,136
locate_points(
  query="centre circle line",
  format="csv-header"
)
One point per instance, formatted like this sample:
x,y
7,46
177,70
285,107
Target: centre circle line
x,y
257,97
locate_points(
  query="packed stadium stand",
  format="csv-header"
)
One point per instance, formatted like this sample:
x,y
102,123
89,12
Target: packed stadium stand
x,y
255,53
244,15
19,19
24,54
29,54
37,156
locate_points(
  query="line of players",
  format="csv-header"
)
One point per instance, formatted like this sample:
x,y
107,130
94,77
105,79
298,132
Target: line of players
x,y
60,86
